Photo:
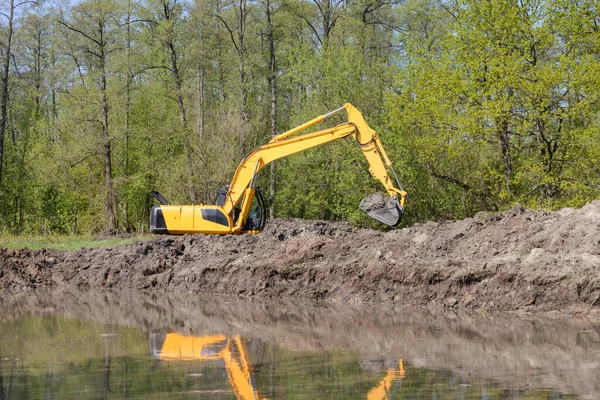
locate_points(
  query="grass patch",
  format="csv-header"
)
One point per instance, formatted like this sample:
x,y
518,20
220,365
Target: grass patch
x,y
67,242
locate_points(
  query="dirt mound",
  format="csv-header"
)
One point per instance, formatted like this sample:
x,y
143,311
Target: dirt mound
x,y
517,260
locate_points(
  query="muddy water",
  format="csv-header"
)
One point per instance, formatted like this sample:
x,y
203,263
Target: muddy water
x,y
95,345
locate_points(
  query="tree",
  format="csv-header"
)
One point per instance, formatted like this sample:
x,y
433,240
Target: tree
x,y
487,108
479,104
235,20
9,14
272,79
95,24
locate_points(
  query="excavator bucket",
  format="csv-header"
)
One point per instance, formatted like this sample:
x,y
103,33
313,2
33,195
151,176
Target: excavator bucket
x,y
388,211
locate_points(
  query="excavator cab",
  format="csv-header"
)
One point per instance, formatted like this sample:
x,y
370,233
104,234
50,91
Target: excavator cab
x,y
257,216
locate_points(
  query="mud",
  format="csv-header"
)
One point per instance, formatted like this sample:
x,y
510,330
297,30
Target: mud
x,y
527,260
373,202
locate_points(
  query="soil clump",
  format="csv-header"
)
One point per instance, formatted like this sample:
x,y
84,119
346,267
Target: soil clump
x,y
531,260
373,202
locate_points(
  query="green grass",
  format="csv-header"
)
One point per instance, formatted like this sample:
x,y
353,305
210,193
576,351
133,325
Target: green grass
x,y
67,242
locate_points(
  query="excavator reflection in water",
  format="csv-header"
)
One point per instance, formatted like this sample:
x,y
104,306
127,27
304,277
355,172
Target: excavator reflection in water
x,y
232,351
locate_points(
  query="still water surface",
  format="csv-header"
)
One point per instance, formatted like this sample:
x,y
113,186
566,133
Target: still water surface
x,y
99,345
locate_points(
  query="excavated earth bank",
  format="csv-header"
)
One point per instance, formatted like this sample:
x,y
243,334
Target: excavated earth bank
x,y
518,260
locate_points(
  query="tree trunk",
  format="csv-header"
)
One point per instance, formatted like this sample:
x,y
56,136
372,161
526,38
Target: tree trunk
x,y
243,91
128,111
200,109
26,136
504,137
108,174
326,21
106,372
201,76
4,100
273,90
1,375
182,113
184,124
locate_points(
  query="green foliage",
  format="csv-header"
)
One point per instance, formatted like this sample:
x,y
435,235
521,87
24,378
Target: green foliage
x,y
493,109
479,105
55,211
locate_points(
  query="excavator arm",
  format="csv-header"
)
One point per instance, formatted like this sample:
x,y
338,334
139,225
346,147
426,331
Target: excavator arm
x,y
231,215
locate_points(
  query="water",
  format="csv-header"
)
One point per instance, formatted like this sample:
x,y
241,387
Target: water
x,y
98,345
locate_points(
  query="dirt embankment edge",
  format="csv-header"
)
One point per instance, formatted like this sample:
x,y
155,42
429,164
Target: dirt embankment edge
x,y
521,259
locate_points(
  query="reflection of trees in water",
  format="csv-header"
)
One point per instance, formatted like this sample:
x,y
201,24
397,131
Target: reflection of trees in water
x,y
1,374
107,363
8,391
491,347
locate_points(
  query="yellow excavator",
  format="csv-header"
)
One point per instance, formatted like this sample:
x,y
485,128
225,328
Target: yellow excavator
x,y
234,211
177,347
231,350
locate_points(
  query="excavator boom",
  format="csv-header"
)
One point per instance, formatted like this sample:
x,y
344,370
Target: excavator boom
x,y
232,214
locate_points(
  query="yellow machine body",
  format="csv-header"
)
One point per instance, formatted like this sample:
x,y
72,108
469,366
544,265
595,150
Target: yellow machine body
x,y
232,351
187,219
231,217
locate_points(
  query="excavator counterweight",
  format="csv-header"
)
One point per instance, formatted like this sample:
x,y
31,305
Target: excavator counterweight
x,y
241,208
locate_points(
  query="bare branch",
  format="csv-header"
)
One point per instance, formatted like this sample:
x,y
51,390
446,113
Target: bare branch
x,y
137,20
92,52
447,9
63,23
26,2
14,60
141,71
76,163
311,27
230,32
318,5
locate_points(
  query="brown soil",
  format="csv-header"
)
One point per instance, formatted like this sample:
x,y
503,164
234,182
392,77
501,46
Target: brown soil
x,y
518,260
